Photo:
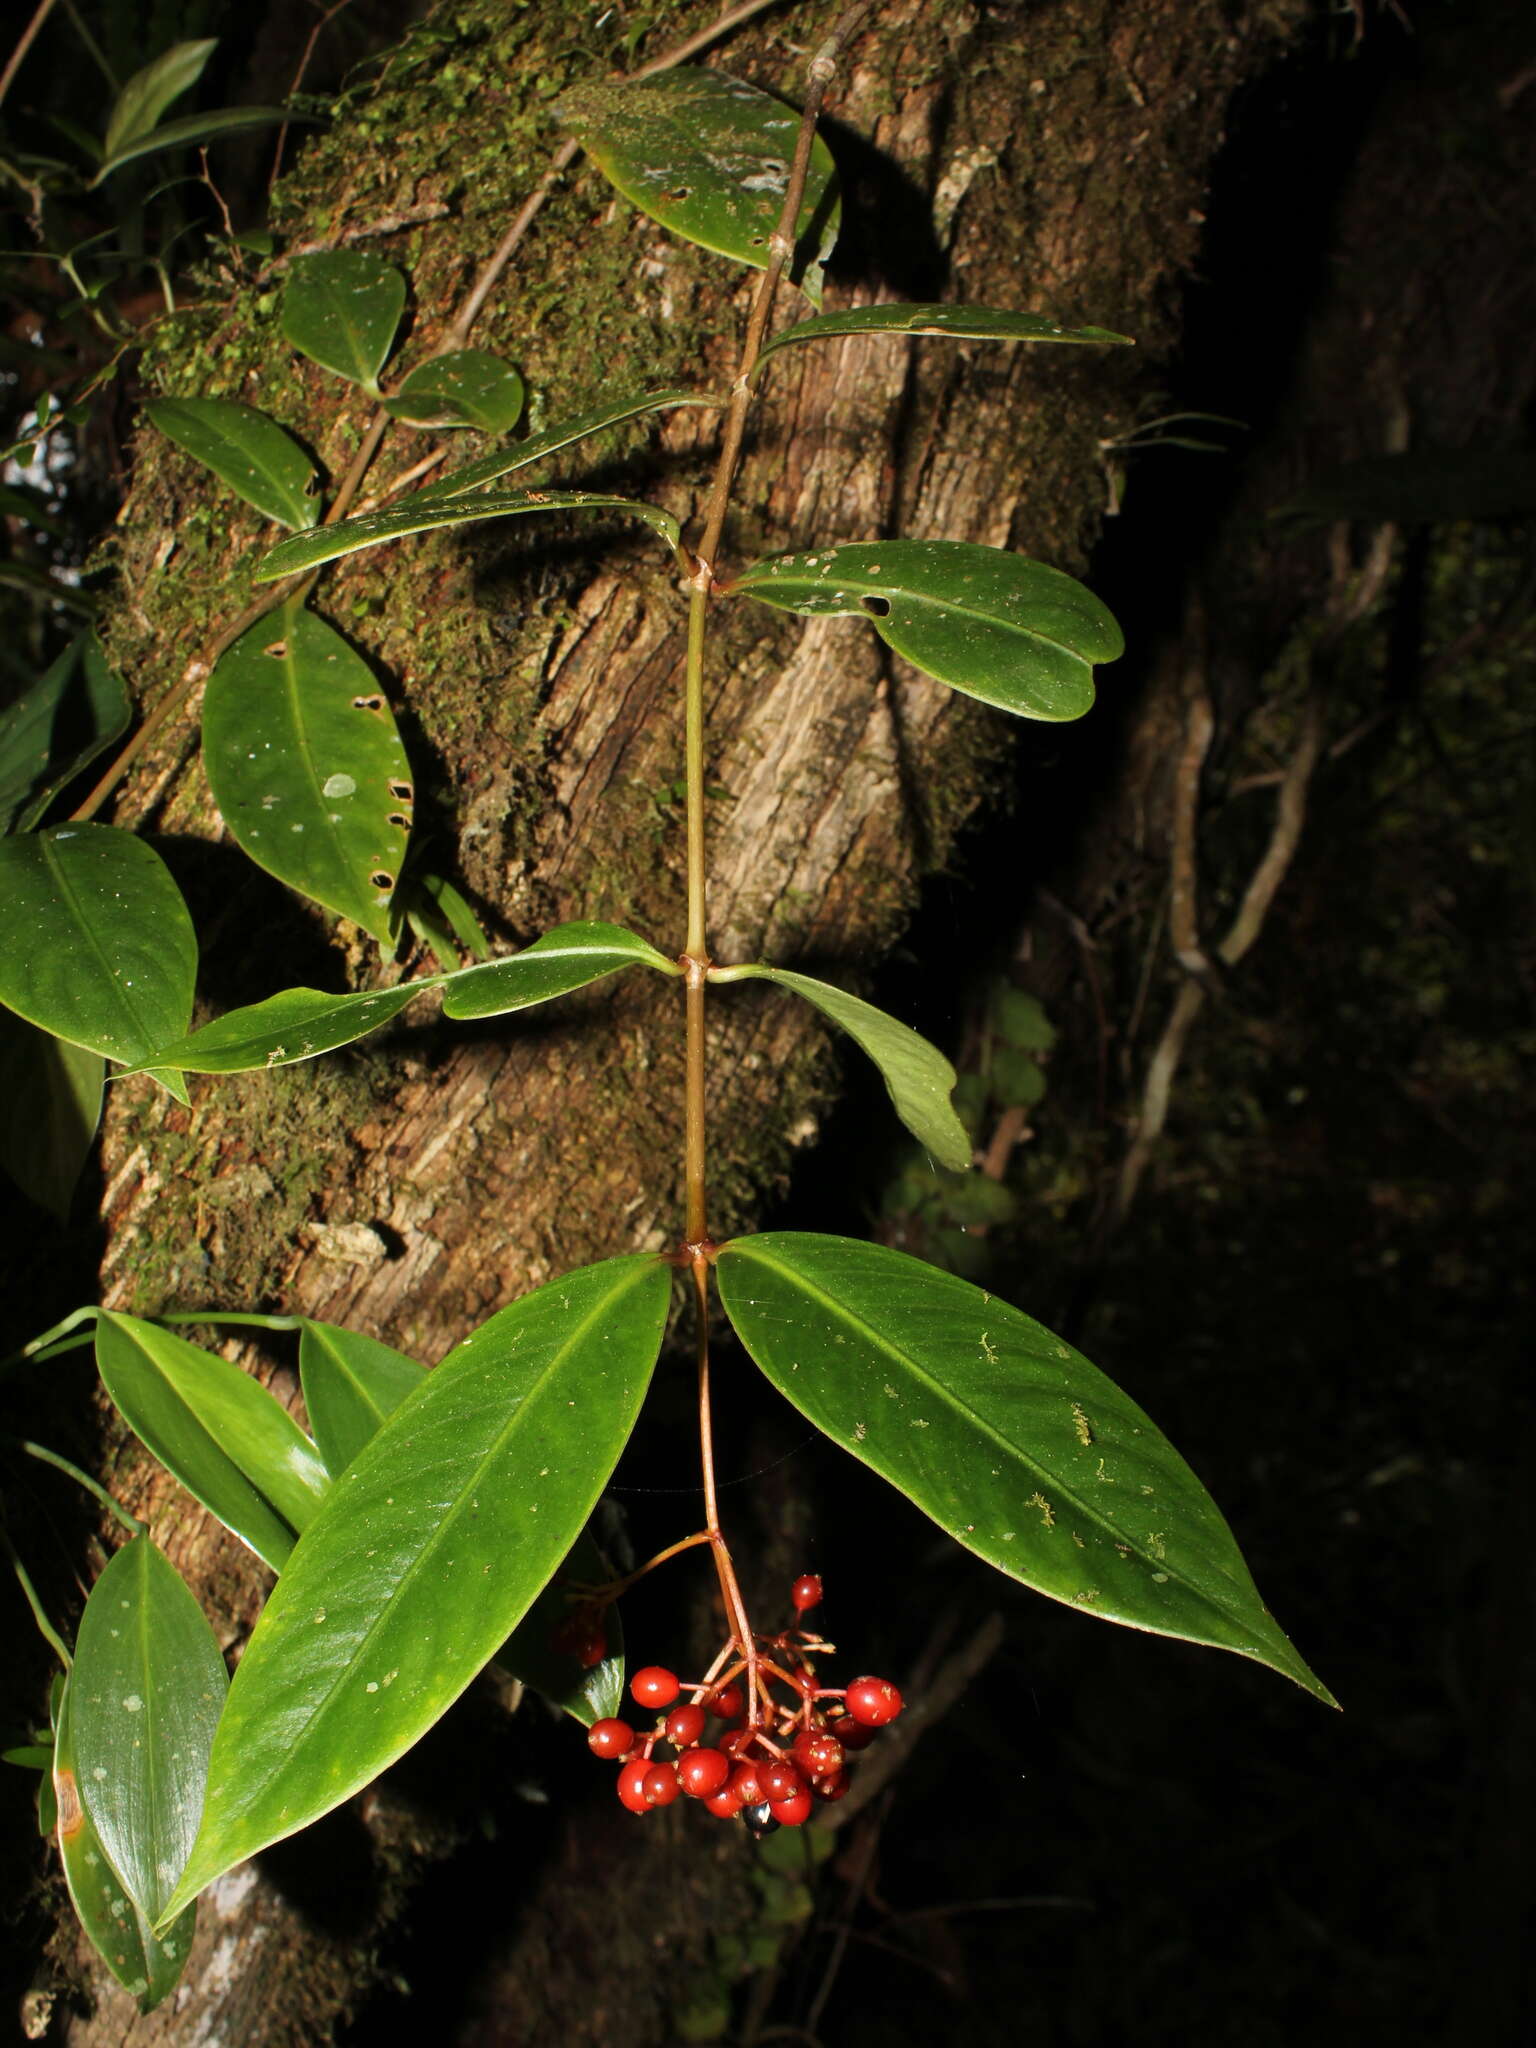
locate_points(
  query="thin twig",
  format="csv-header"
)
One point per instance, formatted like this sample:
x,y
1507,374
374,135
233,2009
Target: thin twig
x,y
315,34
28,36
45,1627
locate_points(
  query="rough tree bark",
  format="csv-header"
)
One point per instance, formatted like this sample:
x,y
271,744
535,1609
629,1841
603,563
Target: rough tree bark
x,y
1048,155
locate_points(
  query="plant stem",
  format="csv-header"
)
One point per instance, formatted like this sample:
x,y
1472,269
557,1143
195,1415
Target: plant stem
x,y
92,1486
695,958
23,44
45,1627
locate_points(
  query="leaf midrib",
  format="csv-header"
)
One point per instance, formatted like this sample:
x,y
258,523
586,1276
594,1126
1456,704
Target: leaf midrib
x,y
119,989
890,591
292,1746
1093,1514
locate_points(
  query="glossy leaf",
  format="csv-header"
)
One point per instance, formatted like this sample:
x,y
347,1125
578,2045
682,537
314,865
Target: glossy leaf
x,y
351,1383
347,536
50,1105
708,156
529,1653
190,128
72,713
145,1964
955,323
467,388
146,1689
95,942
433,1544
138,107
919,1078
341,308
611,414
230,1443
1013,1443
992,624
569,957
450,908
298,1024
306,766
257,458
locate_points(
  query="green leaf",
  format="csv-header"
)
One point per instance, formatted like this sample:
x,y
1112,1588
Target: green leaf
x,y
195,128
1007,1437
95,942
50,1105
708,156
569,957
298,1024
1020,1019
70,715
917,1075
146,1965
327,543
992,624
611,414
145,97
433,1544
306,766
1016,1078
467,388
218,1431
451,906
955,323
257,458
529,1653
341,309
351,1383
146,1689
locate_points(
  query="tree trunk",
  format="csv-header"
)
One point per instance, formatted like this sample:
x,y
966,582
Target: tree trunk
x,y
1047,156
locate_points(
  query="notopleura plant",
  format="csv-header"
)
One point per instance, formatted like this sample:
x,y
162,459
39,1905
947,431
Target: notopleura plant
x,y
433,1521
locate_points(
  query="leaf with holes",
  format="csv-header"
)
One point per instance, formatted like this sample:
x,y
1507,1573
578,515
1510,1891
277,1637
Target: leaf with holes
x,y
708,156
95,942
1018,1447
259,460
433,1544
467,388
306,765
50,1105
992,624
341,308
347,536
351,1384
952,323
298,1024
570,957
917,1076
147,1965
146,1689
488,468
72,713
230,1443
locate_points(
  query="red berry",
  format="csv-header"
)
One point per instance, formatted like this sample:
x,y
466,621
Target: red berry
x,y
873,1702
806,1593
724,1804
746,1783
853,1736
833,1788
779,1781
684,1726
655,1686
794,1811
737,1741
703,1772
824,1755
610,1739
729,1703
659,1786
581,1638
632,1786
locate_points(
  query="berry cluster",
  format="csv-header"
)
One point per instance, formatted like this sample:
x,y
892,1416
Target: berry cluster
x,y
770,1758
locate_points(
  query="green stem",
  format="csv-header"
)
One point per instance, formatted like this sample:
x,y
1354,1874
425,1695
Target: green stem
x,y
45,1627
92,1486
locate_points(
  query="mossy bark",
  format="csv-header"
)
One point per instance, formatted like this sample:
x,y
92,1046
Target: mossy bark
x,y
1049,156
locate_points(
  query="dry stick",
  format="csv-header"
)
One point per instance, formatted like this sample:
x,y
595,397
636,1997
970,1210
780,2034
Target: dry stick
x,y
694,959
454,337
28,37
315,34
